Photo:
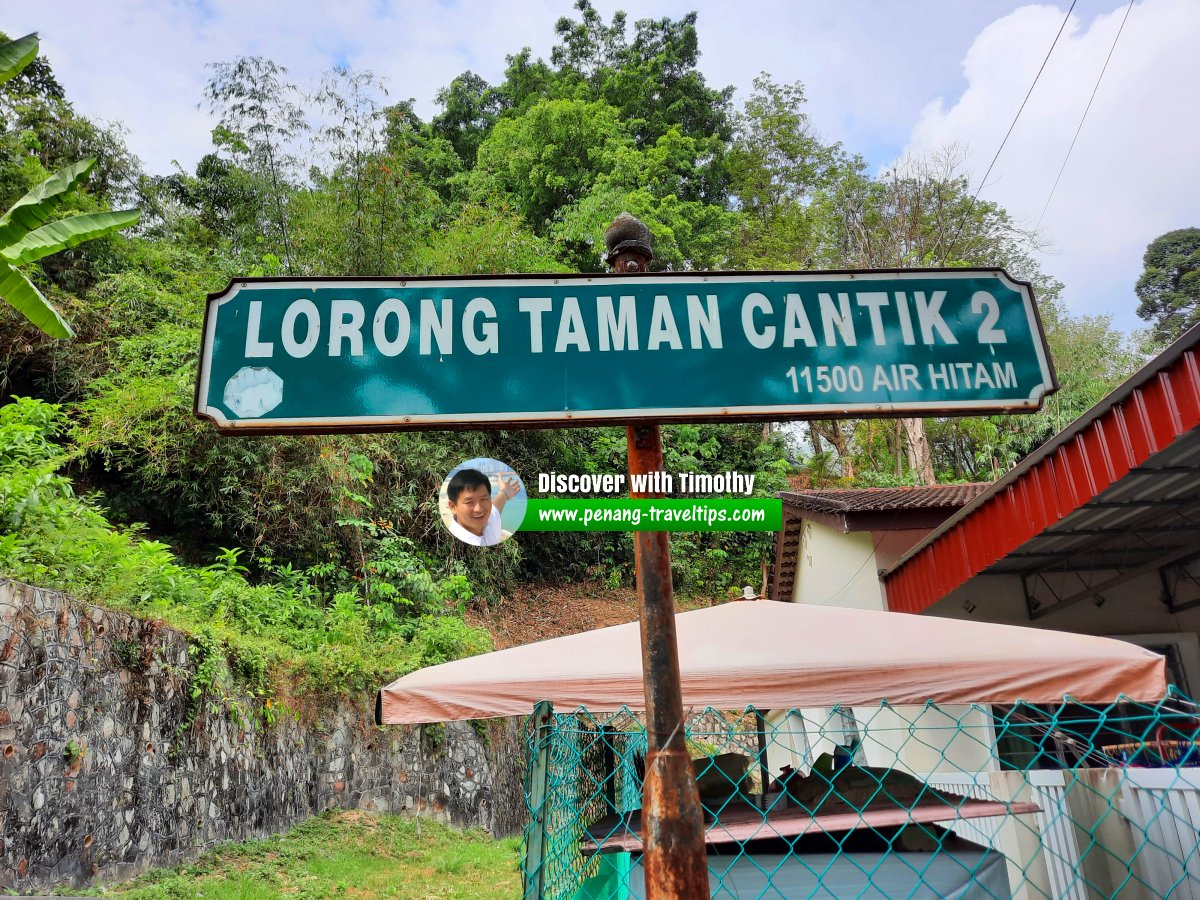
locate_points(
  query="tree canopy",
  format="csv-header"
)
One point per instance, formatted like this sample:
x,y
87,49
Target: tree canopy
x,y
1168,290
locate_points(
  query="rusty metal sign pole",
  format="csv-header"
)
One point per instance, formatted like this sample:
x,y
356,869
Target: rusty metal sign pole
x,y
674,857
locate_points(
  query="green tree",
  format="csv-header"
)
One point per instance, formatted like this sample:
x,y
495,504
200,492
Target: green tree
x,y
482,241
919,213
40,132
1169,288
422,154
28,231
652,80
657,85
260,120
548,156
651,184
589,48
217,207
470,107
527,81
778,167
354,138
371,208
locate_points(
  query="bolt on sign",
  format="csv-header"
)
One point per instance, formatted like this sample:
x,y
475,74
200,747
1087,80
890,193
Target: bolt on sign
x,y
324,354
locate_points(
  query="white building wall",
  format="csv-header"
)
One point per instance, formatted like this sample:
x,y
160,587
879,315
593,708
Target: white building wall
x,y
1133,608
840,569
923,739
798,737
917,739
837,569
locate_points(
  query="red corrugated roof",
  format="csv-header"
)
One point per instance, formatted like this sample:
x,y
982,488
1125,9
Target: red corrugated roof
x,y
1136,421
848,500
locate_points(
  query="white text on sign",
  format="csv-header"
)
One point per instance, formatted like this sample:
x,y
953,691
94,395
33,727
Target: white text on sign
x,y
429,327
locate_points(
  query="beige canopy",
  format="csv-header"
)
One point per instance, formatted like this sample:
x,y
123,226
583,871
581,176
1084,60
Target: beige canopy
x,y
781,655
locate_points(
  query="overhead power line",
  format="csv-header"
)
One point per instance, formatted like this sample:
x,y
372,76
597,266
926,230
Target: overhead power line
x,y
1083,118
999,150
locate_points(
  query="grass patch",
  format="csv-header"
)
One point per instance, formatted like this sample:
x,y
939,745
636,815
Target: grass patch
x,y
343,854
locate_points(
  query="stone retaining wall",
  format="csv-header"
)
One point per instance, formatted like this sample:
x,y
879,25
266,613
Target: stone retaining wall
x,y
99,782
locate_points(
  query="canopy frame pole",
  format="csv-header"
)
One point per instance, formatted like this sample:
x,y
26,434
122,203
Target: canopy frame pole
x,y
674,858
760,722
542,724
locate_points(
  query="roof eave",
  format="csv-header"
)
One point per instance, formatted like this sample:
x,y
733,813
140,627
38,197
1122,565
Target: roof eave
x,y
1180,404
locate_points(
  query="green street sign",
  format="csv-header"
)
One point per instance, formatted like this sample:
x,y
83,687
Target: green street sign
x,y
329,354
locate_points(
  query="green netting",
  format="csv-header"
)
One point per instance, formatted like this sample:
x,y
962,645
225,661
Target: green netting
x,y
1071,801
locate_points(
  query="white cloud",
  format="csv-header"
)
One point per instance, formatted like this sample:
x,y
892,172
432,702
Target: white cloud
x,y
143,63
1132,173
868,68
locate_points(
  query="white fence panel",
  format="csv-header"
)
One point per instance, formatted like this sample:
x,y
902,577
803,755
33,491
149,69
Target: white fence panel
x,y
983,831
1163,808
1064,863
1059,842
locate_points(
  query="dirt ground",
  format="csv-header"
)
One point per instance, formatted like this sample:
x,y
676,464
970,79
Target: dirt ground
x,y
536,612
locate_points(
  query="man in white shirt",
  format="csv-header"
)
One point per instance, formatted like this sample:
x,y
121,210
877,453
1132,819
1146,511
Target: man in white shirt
x,y
474,515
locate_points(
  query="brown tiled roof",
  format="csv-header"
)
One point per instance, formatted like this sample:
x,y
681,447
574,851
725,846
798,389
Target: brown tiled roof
x,y
856,500
860,509
782,578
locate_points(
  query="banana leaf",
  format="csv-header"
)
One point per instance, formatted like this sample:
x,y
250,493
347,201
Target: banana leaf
x,y
66,233
20,293
16,55
35,208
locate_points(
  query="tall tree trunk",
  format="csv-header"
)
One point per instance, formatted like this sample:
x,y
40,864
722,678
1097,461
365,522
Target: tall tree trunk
x,y
899,447
832,432
920,460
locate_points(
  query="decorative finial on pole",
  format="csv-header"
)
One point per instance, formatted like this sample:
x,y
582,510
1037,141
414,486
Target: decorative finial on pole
x,y
628,242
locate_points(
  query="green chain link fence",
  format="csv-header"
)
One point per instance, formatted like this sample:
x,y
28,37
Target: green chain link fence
x,y
1071,801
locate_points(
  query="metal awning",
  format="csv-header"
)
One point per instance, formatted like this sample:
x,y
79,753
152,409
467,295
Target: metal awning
x,y
1114,496
1148,521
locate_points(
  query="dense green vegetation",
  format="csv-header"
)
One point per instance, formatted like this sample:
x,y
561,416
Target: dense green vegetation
x,y
337,563
305,621
1169,289
343,855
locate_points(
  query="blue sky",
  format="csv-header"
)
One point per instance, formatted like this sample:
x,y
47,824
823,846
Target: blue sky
x,y
888,79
